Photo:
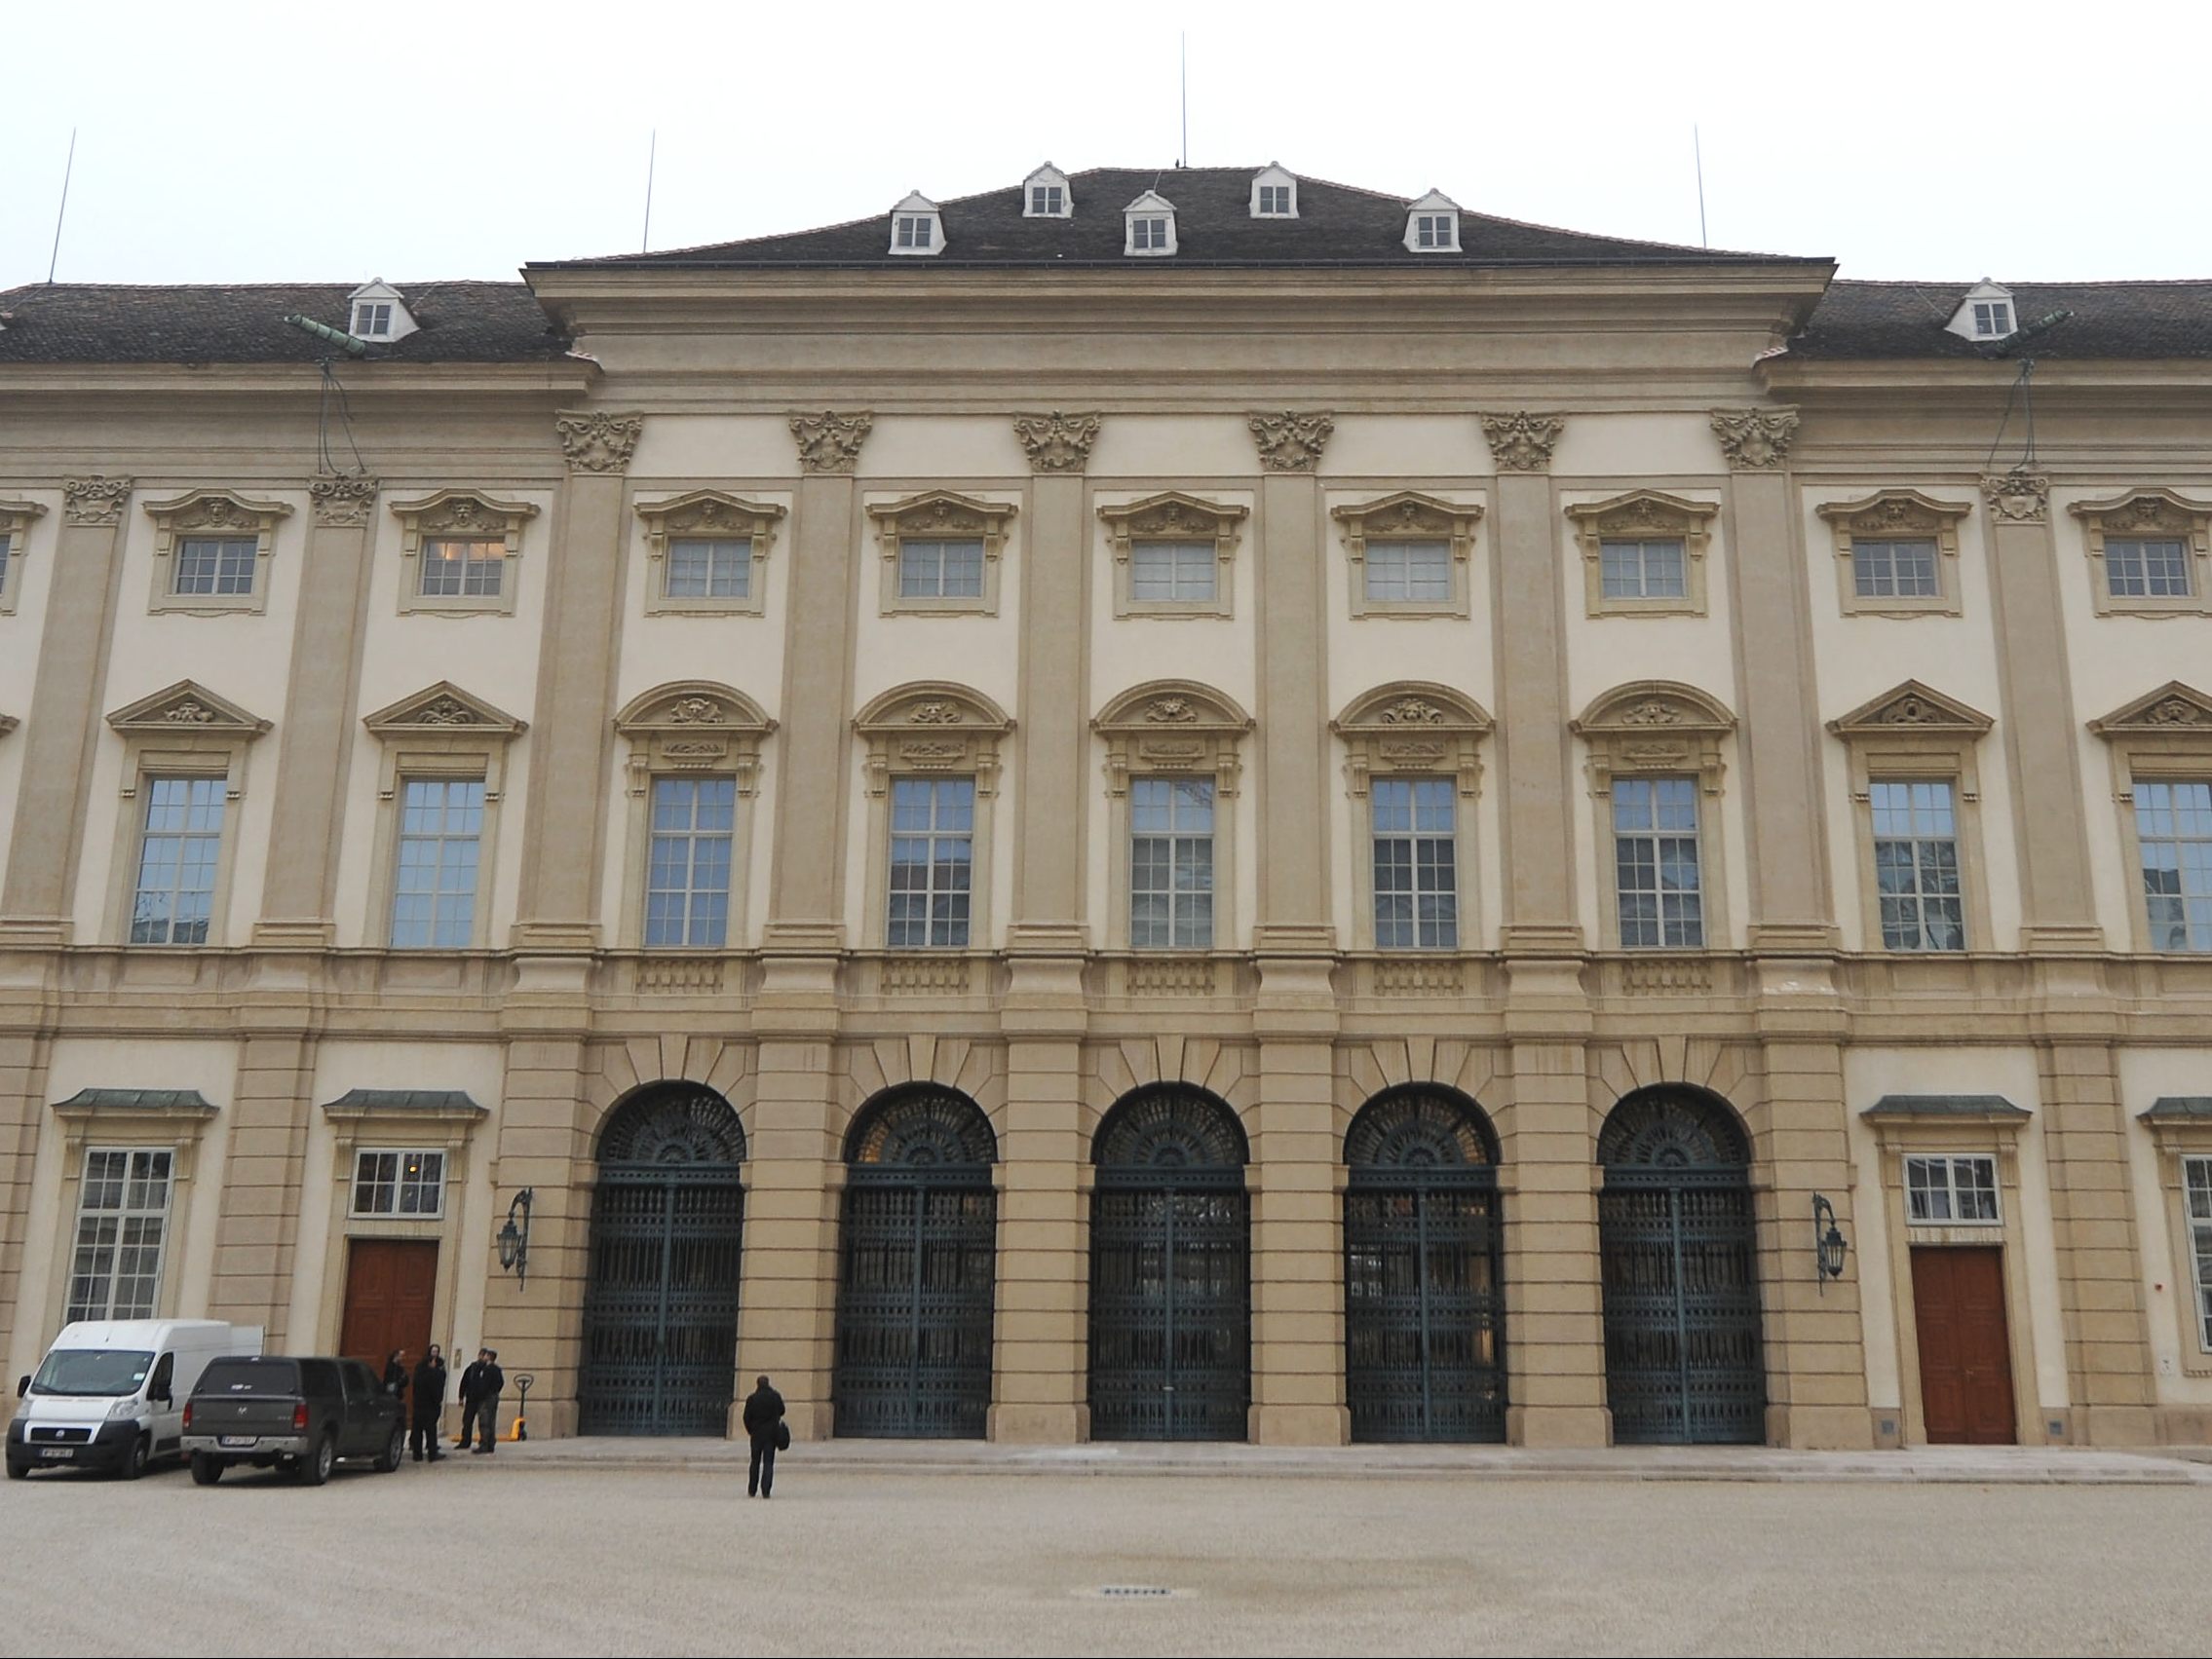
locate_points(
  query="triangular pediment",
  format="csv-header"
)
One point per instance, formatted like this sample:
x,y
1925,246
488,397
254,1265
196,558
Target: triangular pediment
x,y
2172,707
444,707
1151,201
1911,706
186,707
705,705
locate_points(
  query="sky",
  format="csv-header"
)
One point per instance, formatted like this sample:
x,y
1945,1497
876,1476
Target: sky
x,y
232,141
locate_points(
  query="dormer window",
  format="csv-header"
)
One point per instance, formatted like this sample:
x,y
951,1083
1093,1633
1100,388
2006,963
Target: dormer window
x,y
375,310
1432,225
1985,314
1151,221
916,226
1046,195
1274,193
1992,319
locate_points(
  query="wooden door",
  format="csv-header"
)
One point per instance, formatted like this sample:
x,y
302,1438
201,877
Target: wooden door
x,y
1965,1354
391,1286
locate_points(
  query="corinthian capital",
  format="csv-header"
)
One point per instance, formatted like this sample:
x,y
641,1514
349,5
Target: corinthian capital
x,y
1754,440
95,501
830,443
1056,442
1291,443
596,441
1521,442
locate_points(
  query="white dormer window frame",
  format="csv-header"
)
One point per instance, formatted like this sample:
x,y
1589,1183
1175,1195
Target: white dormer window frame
x,y
1046,194
1993,318
1433,224
917,227
1986,313
1149,226
1274,193
376,311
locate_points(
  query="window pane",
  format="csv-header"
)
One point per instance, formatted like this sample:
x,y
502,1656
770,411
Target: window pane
x,y
932,876
687,881
1916,865
454,568
1647,569
433,892
1171,570
2173,827
709,568
1171,863
216,564
1405,570
1415,865
1658,880
178,857
122,1220
1889,569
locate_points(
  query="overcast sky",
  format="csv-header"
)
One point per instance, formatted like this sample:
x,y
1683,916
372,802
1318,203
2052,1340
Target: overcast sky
x,y
233,141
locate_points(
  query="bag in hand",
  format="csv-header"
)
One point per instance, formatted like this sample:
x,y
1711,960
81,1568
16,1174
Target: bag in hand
x,y
782,1437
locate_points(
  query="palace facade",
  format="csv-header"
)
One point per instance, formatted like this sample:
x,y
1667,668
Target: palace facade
x,y
1192,804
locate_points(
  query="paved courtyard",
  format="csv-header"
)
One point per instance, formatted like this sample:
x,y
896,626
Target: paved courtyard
x,y
537,1558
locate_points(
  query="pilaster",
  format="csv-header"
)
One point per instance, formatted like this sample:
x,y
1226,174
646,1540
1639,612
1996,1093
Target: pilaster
x,y
794,1197
1292,717
1298,1395
25,1055
1041,1356
257,1225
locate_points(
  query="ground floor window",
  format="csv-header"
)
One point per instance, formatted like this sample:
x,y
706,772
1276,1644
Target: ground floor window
x,y
121,1226
2197,1182
1941,1190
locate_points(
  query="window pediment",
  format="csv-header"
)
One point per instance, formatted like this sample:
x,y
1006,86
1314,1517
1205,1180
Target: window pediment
x,y
1654,726
443,708
1171,725
1908,709
215,513
713,516
1896,515
186,710
1174,515
932,725
1411,513
689,725
1642,516
1412,726
2151,515
1897,512
944,512
2174,709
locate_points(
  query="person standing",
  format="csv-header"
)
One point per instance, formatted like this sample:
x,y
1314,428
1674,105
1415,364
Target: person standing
x,y
430,1405
490,1383
472,1388
764,1427
396,1374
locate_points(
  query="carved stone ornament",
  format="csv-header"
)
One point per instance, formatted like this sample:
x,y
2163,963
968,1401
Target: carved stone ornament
x,y
1411,726
695,711
187,705
1412,711
596,441
1654,725
189,712
1523,443
1754,440
1911,707
830,443
342,503
1171,725
2017,497
1058,442
447,711
95,501
960,733
1291,443
443,707
2174,706
935,712
1170,711
693,726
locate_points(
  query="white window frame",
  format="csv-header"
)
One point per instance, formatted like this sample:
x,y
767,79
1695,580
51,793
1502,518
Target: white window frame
x,y
1149,233
401,839
373,320
937,838
1445,842
1048,201
1153,211
1051,179
1992,319
1176,793
1656,783
2196,941
1433,224
1917,839
916,233
1274,178
203,791
2196,1239
400,1184
15,520
1947,1164
122,1214
930,729
694,838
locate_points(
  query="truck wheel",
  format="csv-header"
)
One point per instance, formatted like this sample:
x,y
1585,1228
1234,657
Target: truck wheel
x,y
135,1465
314,1469
395,1453
205,1470
19,1471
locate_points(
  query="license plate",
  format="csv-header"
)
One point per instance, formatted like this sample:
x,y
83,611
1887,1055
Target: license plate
x,y
235,1438
57,1451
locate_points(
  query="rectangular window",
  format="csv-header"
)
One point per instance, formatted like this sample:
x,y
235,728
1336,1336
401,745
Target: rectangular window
x,y
2136,568
1409,570
434,893
718,567
1045,201
122,1221
1655,851
2173,827
399,1183
1416,865
1433,230
1148,233
1170,865
933,858
913,230
1993,317
1164,572
177,859
7,545
687,879
1887,569
1648,569
1943,1191
939,569
1916,866
1275,199
216,564
453,568
2197,1184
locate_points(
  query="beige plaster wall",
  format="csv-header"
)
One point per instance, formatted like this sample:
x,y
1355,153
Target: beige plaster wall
x,y
2181,1369
1386,450
1659,444
21,633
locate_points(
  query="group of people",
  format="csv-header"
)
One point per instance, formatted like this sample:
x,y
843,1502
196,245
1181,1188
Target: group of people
x,y
481,1386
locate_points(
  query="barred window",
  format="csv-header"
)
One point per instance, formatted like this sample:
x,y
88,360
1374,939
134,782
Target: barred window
x,y
1655,865
456,569
2173,827
687,883
399,1183
1416,865
1171,863
933,862
1895,569
216,564
1916,866
178,857
121,1226
1943,1191
718,567
2140,568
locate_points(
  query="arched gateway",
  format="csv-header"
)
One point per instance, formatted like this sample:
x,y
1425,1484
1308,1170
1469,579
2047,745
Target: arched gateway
x,y
1684,1361
661,1308
1170,1270
1424,1309
920,1251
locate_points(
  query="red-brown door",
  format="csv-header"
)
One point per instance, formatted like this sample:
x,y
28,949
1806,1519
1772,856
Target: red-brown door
x,y
1965,1356
391,1285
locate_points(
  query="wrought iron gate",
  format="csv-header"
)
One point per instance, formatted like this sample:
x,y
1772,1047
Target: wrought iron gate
x,y
1424,1309
1683,1360
660,1309
920,1254
1170,1272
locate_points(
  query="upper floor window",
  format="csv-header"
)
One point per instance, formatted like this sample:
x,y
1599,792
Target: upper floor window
x,y
216,564
1896,553
1916,865
1658,880
1433,224
376,311
704,567
1985,313
1274,193
1047,201
399,1183
1274,200
2150,552
1992,319
1409,571
1943,1191
2138,567
1172,573
179,857
1894,568
455,568
1409,554
707,553
1171,555
941,552
1415,842
373,320
1148,233
1648,568
1433,230
462,550
687,885
1150,223
7,562
212,551
939,569
933,861
2197,1186
1171,863
2173,828
1644,552
115,1271
916,229
916,226
15,520
433,892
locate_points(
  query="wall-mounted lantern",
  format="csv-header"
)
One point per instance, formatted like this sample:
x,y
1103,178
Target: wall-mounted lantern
x,y
1828,1245
514,1237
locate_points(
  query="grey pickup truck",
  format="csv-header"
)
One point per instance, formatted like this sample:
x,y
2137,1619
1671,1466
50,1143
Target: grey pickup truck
x,y
303,1416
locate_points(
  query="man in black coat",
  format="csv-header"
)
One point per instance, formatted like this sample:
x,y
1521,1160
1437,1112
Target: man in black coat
x,y
491,1381
763,1416
472,1387
429,1404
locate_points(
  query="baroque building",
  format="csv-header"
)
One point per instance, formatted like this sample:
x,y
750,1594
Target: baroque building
x,y
1190,803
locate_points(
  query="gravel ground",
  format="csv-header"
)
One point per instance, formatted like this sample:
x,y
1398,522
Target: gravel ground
x,y
515,1560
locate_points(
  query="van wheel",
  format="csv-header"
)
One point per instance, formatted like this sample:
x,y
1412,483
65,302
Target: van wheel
x,y
315,1470
394,1455
19,1471
135,1465
205,1470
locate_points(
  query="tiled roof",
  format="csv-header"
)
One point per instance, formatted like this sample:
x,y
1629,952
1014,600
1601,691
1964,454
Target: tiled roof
x,y
96,323
1336,225
1944,1106
189,1102
2179,1108
2111,320
356,1103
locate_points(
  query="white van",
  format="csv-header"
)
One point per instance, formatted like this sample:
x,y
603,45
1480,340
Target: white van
x,y
110,1393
